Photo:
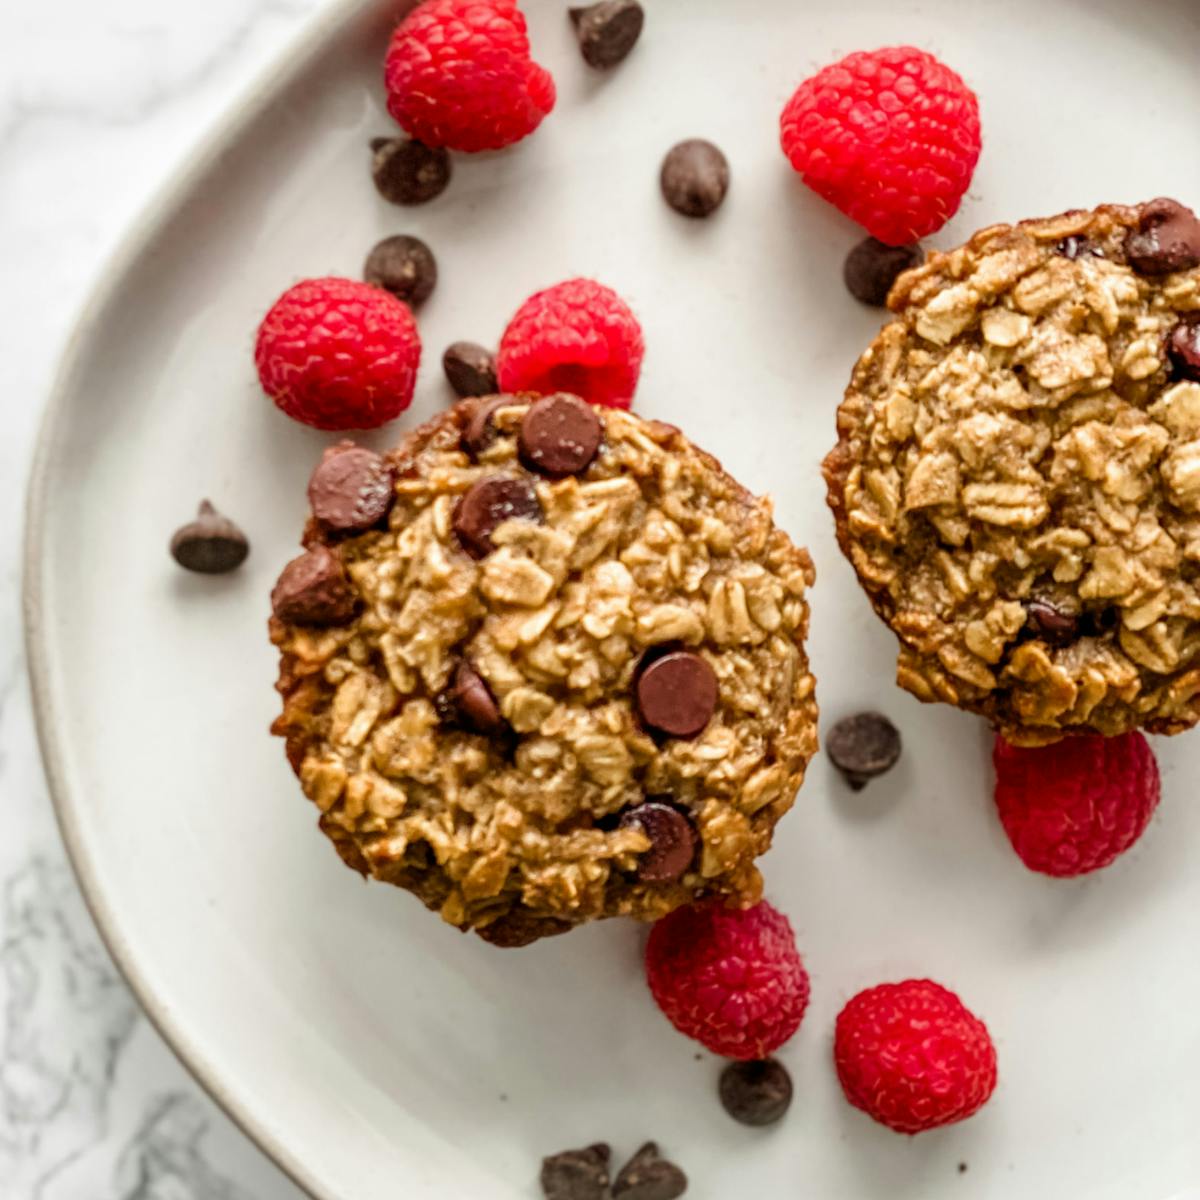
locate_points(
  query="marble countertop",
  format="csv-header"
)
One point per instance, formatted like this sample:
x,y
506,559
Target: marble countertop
x,y
100,100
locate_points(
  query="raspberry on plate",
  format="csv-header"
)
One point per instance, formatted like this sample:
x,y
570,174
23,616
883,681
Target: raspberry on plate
x,y
730,978
1075,806
911,1056
578,337
890,137
459,75
338,354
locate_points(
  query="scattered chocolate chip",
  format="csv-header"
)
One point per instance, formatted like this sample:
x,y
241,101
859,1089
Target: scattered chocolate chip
x,y
872,267
211,544
1183,346
474,701
480,432
470,369
1052,623
756,1093
1076,246
863,746
694,178
404,266
673,841
649,1176
676,693
1167,238
577,1174
608,31
314,590
487,505
407,171
351,488
560,435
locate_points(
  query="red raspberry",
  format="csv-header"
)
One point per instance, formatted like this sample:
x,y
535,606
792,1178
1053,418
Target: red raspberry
x,y
731,979
911,1056
1075,806
890,137
338,354
579,337
459,75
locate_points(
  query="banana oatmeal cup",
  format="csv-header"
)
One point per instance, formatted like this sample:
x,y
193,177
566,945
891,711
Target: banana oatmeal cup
x,y
544,663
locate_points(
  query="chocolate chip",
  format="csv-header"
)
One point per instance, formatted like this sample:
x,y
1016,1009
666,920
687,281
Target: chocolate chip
x,y
676,693
872,267
480,432
863,746
487,505
1050,622
470,369
1183,346
1167,238
519,928
559,435
756,1093
1099,623
211,544
474,701
404,266
673,841
608,31
649,1176
577,1174
314,590
406,171
1075,246
351,489
694,178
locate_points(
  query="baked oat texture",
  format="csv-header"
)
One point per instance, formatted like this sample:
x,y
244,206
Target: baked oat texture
x,y
1017,476
517,835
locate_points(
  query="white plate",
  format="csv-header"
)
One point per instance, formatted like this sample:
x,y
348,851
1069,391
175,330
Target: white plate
x,y
376,1053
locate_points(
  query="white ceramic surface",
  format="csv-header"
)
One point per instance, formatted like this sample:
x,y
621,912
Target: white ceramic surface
x,y
377,1053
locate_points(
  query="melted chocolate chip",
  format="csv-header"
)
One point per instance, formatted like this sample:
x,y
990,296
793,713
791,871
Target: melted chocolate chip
x,y
756,1093
480,432
649,1176
560,435
211,544
1183,348
470,369
351,488
474,701
863,747
676,693
314,589
673,841
487,505
1167,238
406,171
608,31
1050,622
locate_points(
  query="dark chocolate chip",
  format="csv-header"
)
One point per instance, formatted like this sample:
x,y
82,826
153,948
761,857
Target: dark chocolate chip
x,y
863,746
673,841
487,505
314,590
1167,238
474,701
351,489
470,369
649,1176
408,172
872,267
211,544
1099,623
577,1174
676,693
756,1093
560,435
520,928
694,178
1183,346
404,266
608,31
1051,622
481,432
1075,246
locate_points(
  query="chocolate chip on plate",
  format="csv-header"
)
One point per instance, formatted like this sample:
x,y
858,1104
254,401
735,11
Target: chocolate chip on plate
x,y
872,267
404,266
407,171
560,435
1050,621
351,488
649,1176
1167,238
673,841
577,1174
863,746
314,589
470,369
694,178
1183,346
474,701
608,31
756,1093
676,693
211,544
487,505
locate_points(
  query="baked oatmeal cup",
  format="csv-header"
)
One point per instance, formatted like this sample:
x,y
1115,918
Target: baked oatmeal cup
x,y
544,663
1017,476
